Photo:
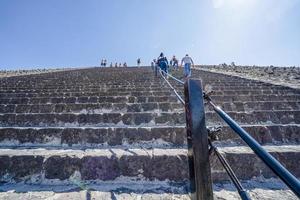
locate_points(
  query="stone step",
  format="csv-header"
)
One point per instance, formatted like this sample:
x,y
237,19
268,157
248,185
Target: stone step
x,y
247,98
166,92
140,190
74,90
86,87
238,84
97,137
80,94
94,108
256,117
89,99
133,87
104,84
247,169
255,92
91,108
93,164
257,105
229,80
156,85
143,118
218,91
141,99
158,137
150,164
264,134
99,90
31,81
28,83
256,87
104,119
218,78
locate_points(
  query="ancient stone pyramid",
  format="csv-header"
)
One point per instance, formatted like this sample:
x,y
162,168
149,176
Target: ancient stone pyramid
x,y
119,133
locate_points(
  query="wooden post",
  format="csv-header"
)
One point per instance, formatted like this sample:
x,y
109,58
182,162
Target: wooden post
x,y
197,138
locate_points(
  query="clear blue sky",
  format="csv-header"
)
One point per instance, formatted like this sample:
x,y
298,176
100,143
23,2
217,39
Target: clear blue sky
x,y
64,33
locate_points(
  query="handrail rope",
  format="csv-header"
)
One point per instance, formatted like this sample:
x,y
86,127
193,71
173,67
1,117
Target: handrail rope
x,y
176,93
290,180
176,79
173,77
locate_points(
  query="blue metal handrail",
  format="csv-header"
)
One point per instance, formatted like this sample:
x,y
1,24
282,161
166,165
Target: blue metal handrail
x,y
290,180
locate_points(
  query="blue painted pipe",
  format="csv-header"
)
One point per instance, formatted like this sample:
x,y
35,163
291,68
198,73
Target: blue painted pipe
x,y
244,195
291,181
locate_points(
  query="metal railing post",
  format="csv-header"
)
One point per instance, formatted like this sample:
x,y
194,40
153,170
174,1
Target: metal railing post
x,y
197,138
155,70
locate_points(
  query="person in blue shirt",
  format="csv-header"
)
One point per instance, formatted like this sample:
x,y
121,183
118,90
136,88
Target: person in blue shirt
x,y
162,62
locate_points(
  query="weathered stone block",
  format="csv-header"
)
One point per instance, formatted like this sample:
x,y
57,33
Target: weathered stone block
x,y
149,106
141,118
22,109
114,136
7,108
59,167
95,136
101,167
4,165
133,166
174,168
112,118
25,166
134,108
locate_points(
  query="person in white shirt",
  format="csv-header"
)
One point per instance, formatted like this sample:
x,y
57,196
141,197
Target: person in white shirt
x,y
188,61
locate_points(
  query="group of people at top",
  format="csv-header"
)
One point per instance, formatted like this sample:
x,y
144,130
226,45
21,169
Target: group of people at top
x,y
104,63
163,64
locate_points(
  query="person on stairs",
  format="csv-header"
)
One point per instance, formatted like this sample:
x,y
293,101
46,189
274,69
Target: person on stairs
x,y
175,63
162,62
188,62
138,62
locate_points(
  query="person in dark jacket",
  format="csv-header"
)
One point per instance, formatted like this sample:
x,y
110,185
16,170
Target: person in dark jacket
x,y
138,62
162,62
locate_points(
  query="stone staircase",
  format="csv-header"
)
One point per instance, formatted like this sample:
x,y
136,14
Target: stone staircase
x,y
119,133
